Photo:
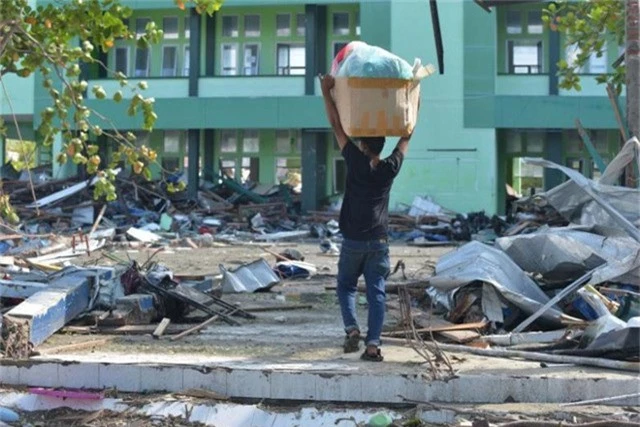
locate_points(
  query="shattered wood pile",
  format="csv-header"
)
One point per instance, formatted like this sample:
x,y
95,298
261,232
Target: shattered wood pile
x,y
563,291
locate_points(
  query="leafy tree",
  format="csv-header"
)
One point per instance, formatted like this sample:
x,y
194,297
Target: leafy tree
x,y
589,25
54,40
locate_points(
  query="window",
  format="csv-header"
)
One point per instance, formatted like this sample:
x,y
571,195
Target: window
x,y
251,59
358,23
141,26
186,62
170,27
228,141
535,141
514,22
250,169
594,65
514,142
337,47
228,168
525,56
534,22
142,63
171,141
527,178
122,60
252,25
283,141
230,26
341,24
290,59
283,25
187,27
229,59
288,171
301,24
251,141
169,61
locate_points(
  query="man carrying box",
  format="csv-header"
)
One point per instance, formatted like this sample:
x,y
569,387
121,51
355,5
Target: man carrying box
x,y
364,221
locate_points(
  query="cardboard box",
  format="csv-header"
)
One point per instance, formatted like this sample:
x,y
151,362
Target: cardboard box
x,y
377,107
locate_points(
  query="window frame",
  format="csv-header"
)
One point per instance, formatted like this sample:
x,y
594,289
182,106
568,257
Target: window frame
x,y
288,68
257,65
509,57
175,63
289,28
135,63
186,60
333,27
222,68
138,18
177,34
127,57
237,17
244,25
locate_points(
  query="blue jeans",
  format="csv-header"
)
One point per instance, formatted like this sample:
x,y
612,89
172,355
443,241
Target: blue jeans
x,y
370,258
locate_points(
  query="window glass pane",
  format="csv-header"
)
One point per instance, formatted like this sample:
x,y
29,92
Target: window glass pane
x,y
171,141
122,60
526,56
283,141
142,63
250,59
228,142
283,59
170,27
252,25
141,24
186,62
229,60
514,142
187,27
229,168
301,24
514,23
534,22
358,23
341,24
230,26
297,60
600,140
251,141
573,143
169,61
283,25
535,142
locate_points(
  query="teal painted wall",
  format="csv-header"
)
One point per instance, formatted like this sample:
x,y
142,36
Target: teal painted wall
x,y
456,166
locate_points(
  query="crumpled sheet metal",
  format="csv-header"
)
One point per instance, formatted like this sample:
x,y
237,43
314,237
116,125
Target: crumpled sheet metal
x,y
565,253
573,201
251,277
476,261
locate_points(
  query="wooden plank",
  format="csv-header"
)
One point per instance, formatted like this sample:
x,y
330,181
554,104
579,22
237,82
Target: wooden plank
x,y
443,328
198,327
123,330
279,308
162,326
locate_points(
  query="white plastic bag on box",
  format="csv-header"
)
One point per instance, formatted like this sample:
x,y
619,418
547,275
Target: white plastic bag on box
x,y
358,59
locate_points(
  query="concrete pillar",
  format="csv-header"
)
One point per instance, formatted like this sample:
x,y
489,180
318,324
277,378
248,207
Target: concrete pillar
x,y
208,155
193,180
210,45
554,57
194,52
315,44
553,152
314,168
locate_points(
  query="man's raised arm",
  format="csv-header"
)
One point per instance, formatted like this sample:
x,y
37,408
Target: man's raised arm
x,y
403,144
326,83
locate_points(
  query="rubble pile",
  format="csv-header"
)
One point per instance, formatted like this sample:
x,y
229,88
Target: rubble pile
x,y
568,290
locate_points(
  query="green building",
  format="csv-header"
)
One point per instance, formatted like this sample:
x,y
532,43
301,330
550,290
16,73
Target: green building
x,y
238,93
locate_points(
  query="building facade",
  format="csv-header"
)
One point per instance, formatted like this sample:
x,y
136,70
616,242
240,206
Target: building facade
x,y
237,93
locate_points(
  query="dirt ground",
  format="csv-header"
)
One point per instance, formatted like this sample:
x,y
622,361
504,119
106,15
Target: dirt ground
x,y
309,334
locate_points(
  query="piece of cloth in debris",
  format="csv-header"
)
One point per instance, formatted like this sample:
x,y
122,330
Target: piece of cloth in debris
x,y
476,261
566,254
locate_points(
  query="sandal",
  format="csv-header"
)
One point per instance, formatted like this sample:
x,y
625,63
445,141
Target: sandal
x,y
352,342
372,357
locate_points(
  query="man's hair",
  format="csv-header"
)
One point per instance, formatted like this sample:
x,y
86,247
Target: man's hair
x,y
374,144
